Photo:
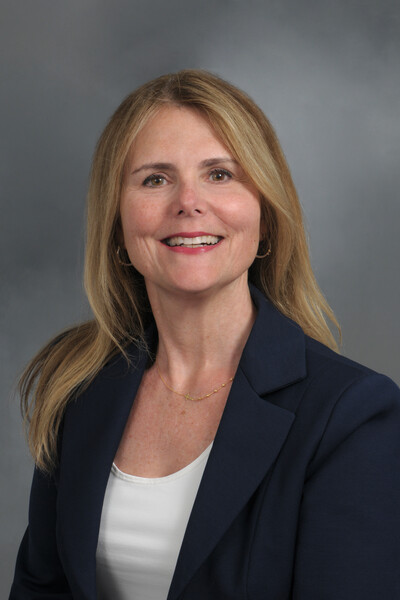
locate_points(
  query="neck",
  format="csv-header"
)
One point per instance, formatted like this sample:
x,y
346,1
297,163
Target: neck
x,y
201,335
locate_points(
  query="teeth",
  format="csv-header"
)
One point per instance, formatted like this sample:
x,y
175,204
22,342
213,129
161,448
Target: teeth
x,y
201,240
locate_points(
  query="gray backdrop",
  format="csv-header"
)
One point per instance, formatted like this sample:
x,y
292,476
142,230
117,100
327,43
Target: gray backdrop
x,y
326,74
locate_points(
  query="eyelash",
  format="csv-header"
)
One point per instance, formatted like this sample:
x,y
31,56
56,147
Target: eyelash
x,y
224,171
148,179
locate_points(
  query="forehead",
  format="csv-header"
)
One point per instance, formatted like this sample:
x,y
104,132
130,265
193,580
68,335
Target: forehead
x,y
174,130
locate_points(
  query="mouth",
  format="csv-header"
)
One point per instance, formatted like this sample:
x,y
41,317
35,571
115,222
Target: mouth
x,y
192,242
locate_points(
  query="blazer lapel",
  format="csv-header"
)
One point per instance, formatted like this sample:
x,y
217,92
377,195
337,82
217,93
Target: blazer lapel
x,y
248,440
93,427
250,435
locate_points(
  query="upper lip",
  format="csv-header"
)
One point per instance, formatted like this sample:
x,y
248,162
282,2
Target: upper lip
x,y
190,234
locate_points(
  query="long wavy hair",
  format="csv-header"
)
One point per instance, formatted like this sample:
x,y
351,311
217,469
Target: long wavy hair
x,y
117,294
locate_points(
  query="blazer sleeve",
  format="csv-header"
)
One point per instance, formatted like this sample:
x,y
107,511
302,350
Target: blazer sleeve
x,y
38,573
348,545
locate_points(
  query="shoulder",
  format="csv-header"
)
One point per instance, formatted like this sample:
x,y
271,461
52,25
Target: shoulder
x,y
343,404
329,369
304,373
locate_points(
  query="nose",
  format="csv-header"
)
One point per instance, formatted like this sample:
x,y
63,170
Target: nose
x,y
189,200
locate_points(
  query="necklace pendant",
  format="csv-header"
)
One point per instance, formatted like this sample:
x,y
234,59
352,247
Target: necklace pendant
x,y
188,396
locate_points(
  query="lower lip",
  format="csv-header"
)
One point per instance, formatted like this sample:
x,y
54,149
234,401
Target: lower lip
x,y
187,250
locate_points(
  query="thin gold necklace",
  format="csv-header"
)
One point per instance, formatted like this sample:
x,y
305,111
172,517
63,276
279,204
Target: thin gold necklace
x,y
187,396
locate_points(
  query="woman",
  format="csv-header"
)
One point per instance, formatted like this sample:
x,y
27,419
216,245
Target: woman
x,y
200,438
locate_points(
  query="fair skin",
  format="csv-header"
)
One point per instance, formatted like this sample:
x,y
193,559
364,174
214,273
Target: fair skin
x,y
181,183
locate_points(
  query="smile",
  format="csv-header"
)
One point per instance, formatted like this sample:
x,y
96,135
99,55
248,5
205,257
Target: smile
x,y
192,242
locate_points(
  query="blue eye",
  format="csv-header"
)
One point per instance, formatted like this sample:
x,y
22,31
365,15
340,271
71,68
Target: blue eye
x,y
217,175
154,181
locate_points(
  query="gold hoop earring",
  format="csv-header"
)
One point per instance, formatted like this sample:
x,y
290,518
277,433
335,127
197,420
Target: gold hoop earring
x,y
121,262
268,252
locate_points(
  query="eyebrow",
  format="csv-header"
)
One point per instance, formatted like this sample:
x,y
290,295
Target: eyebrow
x,y
161,166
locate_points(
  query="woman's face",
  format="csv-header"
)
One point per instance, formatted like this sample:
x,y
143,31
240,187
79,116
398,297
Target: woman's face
x,y
190,221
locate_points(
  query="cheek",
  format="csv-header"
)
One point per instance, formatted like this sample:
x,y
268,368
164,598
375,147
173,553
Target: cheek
x,y
245,218
136,222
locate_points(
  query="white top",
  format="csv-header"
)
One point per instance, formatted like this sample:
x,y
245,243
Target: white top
x,y
141,531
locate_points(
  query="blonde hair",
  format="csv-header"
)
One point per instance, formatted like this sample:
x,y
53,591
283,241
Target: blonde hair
x,y
117,294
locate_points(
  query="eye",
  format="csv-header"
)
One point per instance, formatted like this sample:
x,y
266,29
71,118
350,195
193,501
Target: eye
x,y
217,175
154,181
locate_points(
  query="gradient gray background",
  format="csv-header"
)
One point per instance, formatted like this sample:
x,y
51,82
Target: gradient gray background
x,y
325,73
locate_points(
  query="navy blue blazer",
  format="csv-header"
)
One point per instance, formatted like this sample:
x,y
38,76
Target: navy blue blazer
x,y
300,498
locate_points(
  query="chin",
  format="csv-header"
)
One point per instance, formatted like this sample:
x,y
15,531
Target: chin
x,y
203,287
195,288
